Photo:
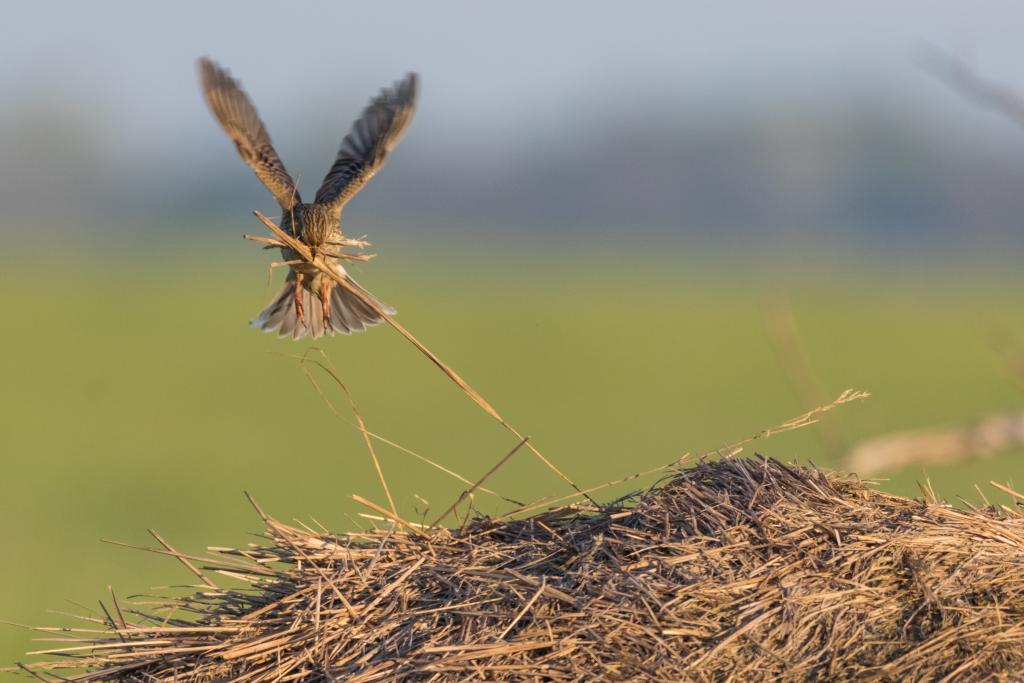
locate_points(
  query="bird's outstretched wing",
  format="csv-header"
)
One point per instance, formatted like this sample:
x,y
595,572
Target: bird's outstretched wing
x,y
367,145
238,117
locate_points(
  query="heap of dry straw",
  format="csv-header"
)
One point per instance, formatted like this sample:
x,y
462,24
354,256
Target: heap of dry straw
x,y
730,570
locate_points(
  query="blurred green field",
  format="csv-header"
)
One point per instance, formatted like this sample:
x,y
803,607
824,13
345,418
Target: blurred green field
x,y
136,397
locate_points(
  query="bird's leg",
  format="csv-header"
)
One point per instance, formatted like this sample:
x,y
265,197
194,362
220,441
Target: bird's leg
x,y
298,297
325,302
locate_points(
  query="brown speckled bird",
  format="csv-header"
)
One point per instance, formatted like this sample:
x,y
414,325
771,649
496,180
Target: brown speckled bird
x,y
318,224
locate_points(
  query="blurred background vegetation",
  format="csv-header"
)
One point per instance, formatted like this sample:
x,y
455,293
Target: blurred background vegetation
x,y
639,231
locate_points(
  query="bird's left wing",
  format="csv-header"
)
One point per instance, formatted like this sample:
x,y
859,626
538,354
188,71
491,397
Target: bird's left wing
x,y
366,146
238,117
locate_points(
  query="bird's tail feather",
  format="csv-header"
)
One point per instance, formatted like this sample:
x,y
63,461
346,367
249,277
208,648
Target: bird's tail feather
x,y
348,313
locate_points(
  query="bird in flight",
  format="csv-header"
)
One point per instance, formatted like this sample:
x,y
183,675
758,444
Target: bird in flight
x,y
311,302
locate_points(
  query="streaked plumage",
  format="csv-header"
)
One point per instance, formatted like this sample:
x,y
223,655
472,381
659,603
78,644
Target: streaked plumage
x,y
294,310
364,149
238,117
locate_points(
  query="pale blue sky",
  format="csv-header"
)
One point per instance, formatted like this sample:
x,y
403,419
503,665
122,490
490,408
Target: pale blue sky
x,y
507,89
485,65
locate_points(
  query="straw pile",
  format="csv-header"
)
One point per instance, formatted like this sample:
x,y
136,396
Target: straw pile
x,y
731,570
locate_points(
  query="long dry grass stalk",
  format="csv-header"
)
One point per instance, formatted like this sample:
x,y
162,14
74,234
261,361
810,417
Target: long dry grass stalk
x,y
328,367
784,335
479,482
804,420
284,239
184,560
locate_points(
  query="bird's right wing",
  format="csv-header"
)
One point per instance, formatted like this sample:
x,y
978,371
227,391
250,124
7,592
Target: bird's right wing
x,y
366,146
238,118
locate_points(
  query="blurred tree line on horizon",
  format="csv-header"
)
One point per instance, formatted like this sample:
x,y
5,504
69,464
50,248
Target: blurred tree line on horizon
x,y
868,166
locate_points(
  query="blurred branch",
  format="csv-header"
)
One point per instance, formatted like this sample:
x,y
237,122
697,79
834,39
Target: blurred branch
x,y
966,82
936,446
